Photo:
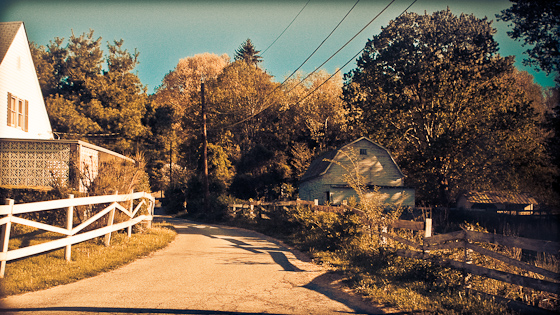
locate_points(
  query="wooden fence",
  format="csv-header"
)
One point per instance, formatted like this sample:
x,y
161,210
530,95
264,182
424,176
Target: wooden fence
x,y
10,211
258,208
432,247
471,241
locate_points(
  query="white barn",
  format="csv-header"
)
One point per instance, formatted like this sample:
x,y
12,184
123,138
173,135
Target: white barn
x,y
324,179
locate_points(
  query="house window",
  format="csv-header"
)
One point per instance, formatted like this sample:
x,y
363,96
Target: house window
x,y
18,112
363,151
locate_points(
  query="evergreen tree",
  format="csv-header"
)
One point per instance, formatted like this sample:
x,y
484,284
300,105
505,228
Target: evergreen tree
x,y
83,98
248,53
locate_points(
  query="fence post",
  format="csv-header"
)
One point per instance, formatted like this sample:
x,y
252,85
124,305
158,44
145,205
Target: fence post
x,y
427,234
383,237
131,209
69,221
467,259
5,237
151,213
428,228
109,223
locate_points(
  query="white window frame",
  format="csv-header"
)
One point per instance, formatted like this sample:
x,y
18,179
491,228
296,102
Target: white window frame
x,y
18,113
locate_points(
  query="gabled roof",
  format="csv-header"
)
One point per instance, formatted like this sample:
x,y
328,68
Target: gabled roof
x,y
500,197
321,165
8,31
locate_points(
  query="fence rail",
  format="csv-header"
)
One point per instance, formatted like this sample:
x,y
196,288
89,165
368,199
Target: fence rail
x,y
466,240
470,241
72,233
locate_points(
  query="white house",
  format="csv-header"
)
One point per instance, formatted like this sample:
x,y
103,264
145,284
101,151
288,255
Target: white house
x,y
22,108
324,179
29,156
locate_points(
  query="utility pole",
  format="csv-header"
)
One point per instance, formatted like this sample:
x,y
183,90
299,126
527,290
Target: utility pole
x,y
204,147
170,162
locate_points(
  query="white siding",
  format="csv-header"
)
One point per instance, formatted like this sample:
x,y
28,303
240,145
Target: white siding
x,y
316,189
18,77
376,167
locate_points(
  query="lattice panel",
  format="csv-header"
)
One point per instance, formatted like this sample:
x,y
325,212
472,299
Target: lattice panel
x,y
33,163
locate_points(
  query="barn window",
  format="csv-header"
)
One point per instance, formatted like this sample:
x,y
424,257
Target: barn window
x,y
363,151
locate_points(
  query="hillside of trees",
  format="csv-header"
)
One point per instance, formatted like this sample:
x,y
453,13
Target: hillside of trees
x,y
433,89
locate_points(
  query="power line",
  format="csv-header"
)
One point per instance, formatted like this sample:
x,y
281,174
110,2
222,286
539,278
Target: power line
x,y
343,46
324,40
337,71
286,28
294,72
86,134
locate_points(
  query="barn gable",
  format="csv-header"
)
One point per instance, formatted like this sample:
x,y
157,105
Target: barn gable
x,y
324,179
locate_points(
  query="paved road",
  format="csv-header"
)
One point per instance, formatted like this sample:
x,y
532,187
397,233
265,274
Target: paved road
x,y
205,270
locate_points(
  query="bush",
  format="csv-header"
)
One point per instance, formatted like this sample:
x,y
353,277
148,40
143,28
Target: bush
x,y
326,230
175,199
113,175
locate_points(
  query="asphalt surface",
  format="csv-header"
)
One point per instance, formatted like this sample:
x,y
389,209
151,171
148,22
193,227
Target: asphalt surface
x,y
207,269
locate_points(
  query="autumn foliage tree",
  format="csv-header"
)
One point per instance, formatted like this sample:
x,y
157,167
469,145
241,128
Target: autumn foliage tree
x,y
537,24
435,92
179,97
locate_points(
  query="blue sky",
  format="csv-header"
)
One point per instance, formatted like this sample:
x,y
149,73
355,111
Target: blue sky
x,y
166,31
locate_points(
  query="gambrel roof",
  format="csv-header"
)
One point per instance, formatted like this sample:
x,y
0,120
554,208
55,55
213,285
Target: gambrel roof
x,y
321,165
499,197
8,31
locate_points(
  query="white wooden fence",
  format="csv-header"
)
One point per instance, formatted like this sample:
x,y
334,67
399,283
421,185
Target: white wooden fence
x,y
73,235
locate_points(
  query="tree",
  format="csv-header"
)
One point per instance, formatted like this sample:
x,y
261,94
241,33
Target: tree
x,y
82,97
434,91
537,23
180,91
243,100
319,119
248,53
176,109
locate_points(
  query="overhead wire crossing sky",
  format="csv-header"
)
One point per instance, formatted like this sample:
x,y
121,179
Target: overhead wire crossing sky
x,y
343,46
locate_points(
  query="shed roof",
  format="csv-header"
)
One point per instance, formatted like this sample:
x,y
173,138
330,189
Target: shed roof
x,y
8,31
503,197
78,142
321,165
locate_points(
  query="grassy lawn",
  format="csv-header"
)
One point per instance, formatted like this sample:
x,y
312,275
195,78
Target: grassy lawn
x,y
88,259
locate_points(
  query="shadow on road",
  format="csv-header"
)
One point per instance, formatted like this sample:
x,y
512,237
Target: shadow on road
x,y
327,284
118,310
274,248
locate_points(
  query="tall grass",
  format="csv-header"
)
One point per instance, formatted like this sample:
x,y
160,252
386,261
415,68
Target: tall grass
x,y
340,241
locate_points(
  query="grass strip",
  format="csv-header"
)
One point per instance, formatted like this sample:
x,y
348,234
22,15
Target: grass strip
x,y
88,259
